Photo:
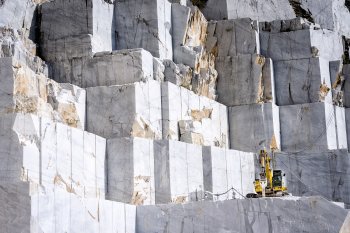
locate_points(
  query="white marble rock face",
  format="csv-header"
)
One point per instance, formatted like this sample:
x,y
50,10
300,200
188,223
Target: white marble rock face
x,y
346,85
340,124
13,43
25,91
132,110
330,15
245,79
301,44
149,23
347,122
51,154
332,166
60,19
190,53
233,37
130,171
254,127
18,15
224,169
54,210
258,215
192,118
308,127
302,81
178,172
117,68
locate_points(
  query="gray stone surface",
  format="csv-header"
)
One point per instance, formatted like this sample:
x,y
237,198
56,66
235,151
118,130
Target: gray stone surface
x,y
302,81
53,210
337,81
178,172
313,214
346,225
324,174
132,110
208,116
254,127
347,121
144,24
61,19
346,85
258,10
19,14
43,152
243,80
130,171
301,44
340,124
25,91
308,127
117,68
14,44
329,14
229,173
233,37
189,31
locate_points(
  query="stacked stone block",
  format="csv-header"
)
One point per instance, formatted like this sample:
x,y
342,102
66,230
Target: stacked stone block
x,y
157,135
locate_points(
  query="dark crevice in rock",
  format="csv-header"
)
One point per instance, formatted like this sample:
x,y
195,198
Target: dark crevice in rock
x,y
346,56
347,4
2,2
199,3
301,12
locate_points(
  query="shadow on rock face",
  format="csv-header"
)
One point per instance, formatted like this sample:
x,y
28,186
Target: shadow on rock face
x,y
199,3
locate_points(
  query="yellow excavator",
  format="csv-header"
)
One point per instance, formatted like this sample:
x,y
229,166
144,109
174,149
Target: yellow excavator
x,y
272,182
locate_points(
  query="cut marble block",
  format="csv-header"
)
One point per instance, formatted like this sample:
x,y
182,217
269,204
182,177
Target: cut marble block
x,y
189,39
254,127
60,19
337,81
26,91
301,44
182,108
16,45
158,69
245,79
340,125
117,68
347,121
132,110
178,170
189,33
226,169
53,210
302,81
19,15
308,127
149,23
189,26
130,171
233,37
346,225
287,25
51,154
304,171
263,215
346,85
203,84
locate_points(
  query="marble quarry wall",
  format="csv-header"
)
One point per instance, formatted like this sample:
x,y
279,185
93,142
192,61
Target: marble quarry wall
x,y
148,116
